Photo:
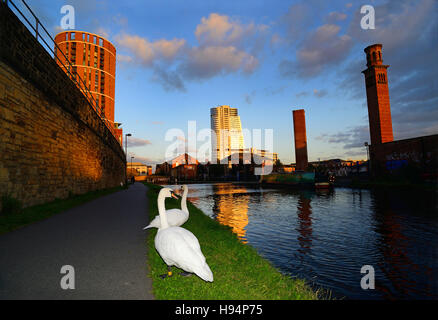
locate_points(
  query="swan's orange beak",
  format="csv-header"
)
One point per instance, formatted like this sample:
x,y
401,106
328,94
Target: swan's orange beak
x,y
174,196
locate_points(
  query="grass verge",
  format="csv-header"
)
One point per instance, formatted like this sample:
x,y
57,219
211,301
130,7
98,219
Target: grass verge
x,y
239,272
13,221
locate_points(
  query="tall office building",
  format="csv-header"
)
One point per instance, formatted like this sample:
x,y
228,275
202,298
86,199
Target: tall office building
x,y
225,122
93,59
379,109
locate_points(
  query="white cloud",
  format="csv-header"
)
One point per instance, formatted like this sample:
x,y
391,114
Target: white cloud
x,y
225,46
147,52
207,62
137,142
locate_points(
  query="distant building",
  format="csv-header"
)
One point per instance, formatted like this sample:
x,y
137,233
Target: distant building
x,y
138,168
264,153
225,122
183,159
163,169
300,139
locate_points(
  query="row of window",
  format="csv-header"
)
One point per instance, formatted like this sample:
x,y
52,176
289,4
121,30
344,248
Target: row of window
x,y
374,56
85,38
381,78
71,54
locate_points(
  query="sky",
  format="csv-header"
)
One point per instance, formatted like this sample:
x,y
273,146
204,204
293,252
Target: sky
x,y
178,59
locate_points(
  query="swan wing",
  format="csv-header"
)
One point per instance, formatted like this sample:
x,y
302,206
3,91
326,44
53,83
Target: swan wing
x,y
176,217
155,223
179,247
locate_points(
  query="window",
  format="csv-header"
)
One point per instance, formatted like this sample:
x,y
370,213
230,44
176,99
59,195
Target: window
x,y
83,37
94,40
100,42
73,36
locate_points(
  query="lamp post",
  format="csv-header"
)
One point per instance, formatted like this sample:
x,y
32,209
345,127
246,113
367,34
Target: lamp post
x,y
131,168
126,156
126,144
367,146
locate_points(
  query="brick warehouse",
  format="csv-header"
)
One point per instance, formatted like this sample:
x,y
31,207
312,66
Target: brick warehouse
x,y
387,155
93,58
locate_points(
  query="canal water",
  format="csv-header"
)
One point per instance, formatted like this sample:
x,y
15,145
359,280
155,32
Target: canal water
x,y
326,237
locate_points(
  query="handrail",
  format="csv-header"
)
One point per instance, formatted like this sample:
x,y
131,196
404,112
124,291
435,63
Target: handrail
x,y
74,77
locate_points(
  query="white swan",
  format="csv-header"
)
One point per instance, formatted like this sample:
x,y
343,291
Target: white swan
x,y
178,246
175,217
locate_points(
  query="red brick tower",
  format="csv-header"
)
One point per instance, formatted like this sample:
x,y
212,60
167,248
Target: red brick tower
x,y
379,110
300,139
93,58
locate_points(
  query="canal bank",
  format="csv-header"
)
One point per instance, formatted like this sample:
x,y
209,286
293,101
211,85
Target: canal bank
x,y
239,271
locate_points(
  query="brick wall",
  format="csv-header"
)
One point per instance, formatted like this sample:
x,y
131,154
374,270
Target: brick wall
x,y
52,143
421,152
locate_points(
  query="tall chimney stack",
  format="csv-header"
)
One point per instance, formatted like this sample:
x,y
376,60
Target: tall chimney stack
x,y
300,139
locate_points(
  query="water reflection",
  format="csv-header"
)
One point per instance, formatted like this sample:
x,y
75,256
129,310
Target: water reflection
x,y
231,208
326,237
304,223
401,266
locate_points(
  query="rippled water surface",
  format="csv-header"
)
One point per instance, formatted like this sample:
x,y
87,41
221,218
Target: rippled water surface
x,y
326,237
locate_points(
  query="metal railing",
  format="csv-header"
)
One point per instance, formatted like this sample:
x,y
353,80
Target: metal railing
x,y
76,78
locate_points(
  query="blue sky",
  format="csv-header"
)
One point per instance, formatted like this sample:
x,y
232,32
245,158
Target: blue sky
x,y
177,59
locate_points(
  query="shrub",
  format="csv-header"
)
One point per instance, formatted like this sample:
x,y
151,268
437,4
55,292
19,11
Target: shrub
x,y
10,205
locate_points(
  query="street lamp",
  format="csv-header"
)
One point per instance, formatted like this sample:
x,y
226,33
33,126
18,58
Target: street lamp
x,y
126,144
131,167
367,147
368,156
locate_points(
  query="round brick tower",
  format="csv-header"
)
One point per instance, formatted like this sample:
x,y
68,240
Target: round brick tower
x,y
94,60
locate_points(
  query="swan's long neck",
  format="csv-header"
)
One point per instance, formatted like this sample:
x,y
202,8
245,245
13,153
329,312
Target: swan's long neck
x,y
162,211
184,200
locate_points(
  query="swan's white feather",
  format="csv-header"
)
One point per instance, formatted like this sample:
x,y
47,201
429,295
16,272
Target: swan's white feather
x,y
175,218
179,247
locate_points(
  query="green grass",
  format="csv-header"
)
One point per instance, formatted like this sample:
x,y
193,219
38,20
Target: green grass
x,y
239,272
18,218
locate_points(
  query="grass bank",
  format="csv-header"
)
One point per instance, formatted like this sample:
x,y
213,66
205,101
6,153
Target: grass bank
x,y
21,217
239,272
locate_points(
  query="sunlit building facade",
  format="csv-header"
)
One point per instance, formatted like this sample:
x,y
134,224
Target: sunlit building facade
x,y
225,122
93,59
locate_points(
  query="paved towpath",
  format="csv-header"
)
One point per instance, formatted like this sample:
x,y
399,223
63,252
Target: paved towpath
x,y
102,239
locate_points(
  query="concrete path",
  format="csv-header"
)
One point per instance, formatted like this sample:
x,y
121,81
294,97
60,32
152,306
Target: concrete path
x,y
103,240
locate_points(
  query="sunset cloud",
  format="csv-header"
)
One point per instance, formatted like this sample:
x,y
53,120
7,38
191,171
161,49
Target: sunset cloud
x,y
224,46
147,52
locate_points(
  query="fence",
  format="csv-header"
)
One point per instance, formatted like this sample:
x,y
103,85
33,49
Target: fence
x,y
41,34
